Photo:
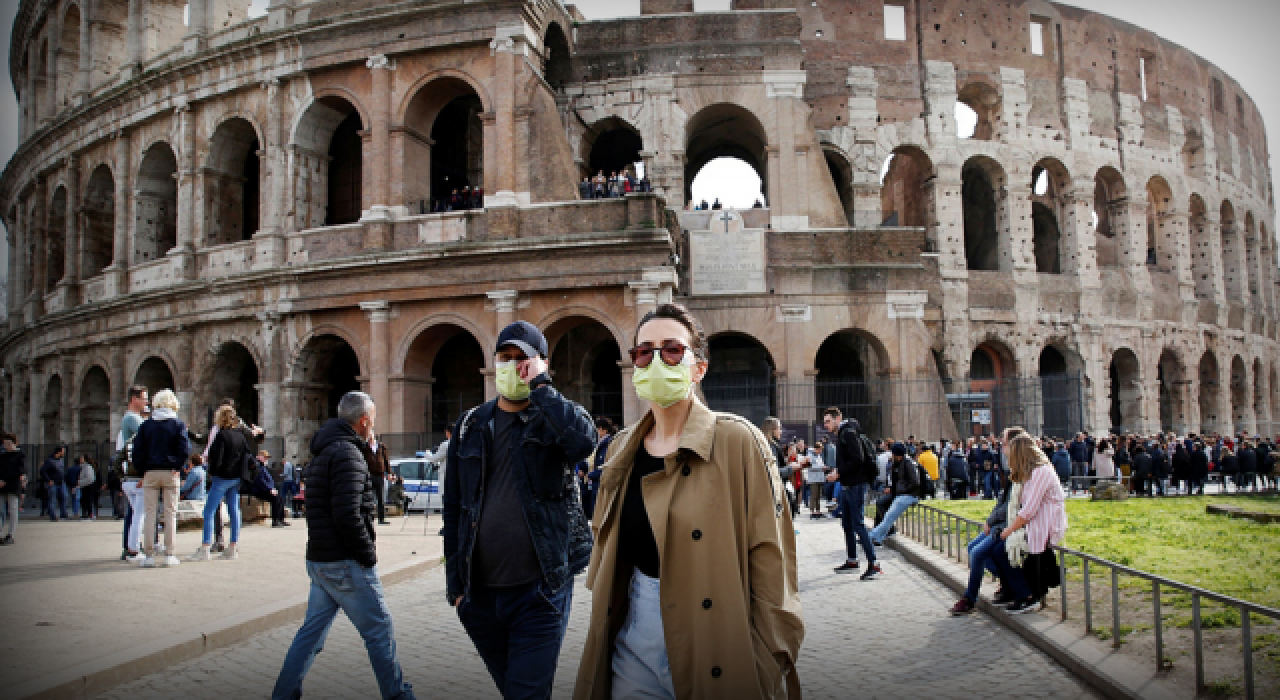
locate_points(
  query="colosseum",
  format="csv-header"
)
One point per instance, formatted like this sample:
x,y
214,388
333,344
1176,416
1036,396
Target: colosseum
x,y
251,207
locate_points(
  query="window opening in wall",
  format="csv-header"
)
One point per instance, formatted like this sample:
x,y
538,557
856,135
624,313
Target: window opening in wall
x,y
1240,110
1142,75
842,177
1219,102
903,194
895,22
966,120
1042,183
1037,37
186,15
981,214
729,181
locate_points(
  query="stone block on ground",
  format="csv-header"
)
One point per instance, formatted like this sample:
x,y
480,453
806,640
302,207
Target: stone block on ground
x,y
1109,491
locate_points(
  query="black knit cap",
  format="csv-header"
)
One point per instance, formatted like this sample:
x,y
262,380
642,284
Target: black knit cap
x,y
525,336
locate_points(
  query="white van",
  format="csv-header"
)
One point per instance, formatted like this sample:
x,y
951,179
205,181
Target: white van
x,y
421,482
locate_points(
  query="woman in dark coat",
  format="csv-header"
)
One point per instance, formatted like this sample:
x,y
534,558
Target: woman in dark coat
x,y
1181,467
1230,467
1141,471
1199,469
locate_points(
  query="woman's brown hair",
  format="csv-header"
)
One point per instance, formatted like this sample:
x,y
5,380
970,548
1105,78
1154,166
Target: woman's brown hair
x,y
1024,457
681,315
226,418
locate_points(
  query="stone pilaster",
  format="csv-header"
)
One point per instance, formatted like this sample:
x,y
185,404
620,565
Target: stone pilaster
x,y
379,371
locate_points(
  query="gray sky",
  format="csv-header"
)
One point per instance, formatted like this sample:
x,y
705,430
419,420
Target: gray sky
x,y
1236,35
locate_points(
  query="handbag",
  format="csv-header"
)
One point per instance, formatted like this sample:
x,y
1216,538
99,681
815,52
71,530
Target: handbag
x,y
1016,544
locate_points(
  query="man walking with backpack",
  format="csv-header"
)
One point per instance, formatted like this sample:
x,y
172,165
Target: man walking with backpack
x,y
856,467
904,484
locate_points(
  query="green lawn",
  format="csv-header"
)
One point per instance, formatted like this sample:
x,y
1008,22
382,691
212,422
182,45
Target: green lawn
x,y
1176,539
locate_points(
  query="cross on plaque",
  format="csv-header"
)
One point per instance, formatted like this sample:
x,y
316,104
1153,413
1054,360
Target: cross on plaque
x,y
726,218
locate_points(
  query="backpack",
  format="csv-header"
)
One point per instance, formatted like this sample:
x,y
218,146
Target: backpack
x,y
928,488
867,471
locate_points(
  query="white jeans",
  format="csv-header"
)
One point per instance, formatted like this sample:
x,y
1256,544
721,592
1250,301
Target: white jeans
x,y
14,509
137,501
641,670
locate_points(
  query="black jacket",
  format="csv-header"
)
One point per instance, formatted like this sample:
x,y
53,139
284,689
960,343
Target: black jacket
x,y
226,454
340,501
12,466
1199,464
51,470
555,434
905,477
849,453
1142,465
1248,460
160,445
1159,463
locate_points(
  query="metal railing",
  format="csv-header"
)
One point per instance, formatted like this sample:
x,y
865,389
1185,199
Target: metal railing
x,y
940,530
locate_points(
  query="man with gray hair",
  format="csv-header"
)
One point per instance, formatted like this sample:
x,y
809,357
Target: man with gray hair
x,y
341,556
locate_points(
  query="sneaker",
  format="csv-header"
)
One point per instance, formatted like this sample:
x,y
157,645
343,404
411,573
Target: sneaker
x,y
147,563
230,552
136,558
217,547
285,523
962,607
1022,607
170,561
870,573
848,567
202,554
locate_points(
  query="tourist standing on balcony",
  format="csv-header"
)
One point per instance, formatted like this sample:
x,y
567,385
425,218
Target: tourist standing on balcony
x,y
54,478
696,550
160,449
515,534
342,556
13,478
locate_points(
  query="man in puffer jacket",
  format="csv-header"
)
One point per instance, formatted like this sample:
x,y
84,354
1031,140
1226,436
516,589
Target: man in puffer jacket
x,y
341,556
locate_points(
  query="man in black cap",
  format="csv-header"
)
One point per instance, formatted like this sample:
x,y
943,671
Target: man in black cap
x,y
514,530
904,479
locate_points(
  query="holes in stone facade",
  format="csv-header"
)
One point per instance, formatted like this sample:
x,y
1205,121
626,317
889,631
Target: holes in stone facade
x,y
1161,237
1037,32
345,199
326,369
1217,96
1109,196
98,237
1201,250
68,56
558,66
1235,279
326,145
1048,210
848,363
611,145
1239,393
154,374
156,204
1169,377
842,177
727,130
51,411
109,41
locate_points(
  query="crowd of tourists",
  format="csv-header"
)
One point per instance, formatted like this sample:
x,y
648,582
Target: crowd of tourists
x,y
615,184
460,200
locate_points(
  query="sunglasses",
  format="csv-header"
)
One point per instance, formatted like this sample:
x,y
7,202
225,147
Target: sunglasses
x,y
672,351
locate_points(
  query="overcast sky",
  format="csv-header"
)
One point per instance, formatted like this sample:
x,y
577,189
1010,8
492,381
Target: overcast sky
x,y
1236,35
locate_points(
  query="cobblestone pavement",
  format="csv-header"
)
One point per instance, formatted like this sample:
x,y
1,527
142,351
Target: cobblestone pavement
x,y
889,638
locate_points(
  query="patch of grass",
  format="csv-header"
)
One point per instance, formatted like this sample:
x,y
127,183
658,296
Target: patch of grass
x,y
1222,689
1173,538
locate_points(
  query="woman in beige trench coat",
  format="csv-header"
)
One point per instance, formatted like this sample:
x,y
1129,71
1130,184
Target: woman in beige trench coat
x,y
699,599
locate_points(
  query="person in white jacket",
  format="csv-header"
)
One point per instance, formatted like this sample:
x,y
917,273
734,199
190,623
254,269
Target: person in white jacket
x,y
1104,466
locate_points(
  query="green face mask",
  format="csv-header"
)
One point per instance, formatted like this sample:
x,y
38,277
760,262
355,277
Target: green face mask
x,y
663,384
510,386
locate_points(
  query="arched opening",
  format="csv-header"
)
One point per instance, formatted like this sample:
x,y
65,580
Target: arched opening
x,y
977,104
444,150
1162,243
109,39
1261,407
723,131
557,63
234,375
1201,250
328,152
442,378
1274,389
842,177
95,406
584,363
97,248
1210,393
1233,270
1126,392
154,374
992,387
1056,393
51,414
1110,217
740,378
68,56
728,183
1239,394
326,369
156,204
903,198
982,177
1169,375
612,146
1193,152
1049,180
56,240
1253,258
850,364
232,183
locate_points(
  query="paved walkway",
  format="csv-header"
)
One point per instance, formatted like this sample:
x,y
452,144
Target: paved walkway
x,y
889,638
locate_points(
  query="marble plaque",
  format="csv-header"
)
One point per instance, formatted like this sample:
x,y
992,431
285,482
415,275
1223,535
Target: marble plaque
x,y
728,263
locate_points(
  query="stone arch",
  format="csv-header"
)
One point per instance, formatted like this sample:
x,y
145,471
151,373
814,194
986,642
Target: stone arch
x,y
741,376
442,373
51,411
55,239
842,177
1202,270
1210,393
1111,217
325,368
850,365
557,65
586,362
984,217
1161,245
1239,394
95,405
155,204
328,153
68,56
1125,395
233,181
1235,277
1058,370
550,323
993,385
155,372
984,99
1171,381
609,145
992,360
97,247
904,197
233,374
725,129
1050,181
1261,404
444,139
1253,259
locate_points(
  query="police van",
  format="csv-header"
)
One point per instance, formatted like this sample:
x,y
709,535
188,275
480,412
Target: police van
x,y
421,481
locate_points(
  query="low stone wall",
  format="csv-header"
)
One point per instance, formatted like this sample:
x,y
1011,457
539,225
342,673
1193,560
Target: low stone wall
x,y
1238,512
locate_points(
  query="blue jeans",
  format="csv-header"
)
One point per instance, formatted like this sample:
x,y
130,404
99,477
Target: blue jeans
x,y
640,666
357,591
900,505
518,632
980,560
58,494
219,490
853,503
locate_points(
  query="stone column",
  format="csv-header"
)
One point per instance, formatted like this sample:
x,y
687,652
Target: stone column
x,y
183,254
51,77
86,54
67,432
796,392
272,374
197,26
70,282
379,371
377,220
270,242
136,51
788,195
117,273
509,48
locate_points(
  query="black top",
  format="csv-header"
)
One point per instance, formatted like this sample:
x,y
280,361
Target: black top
x,y
635,532
339,497
504,554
